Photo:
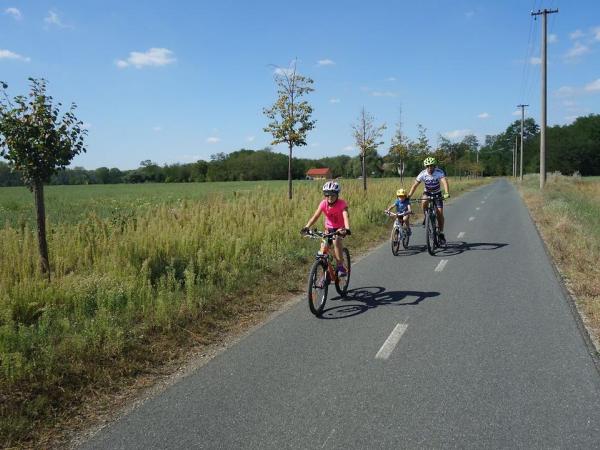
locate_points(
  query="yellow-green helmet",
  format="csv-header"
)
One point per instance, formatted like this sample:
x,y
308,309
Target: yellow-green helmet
x,y
429,161
401,193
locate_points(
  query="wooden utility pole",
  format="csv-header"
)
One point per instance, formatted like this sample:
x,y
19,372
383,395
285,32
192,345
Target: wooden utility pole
x,y
543,13
522,124
515,157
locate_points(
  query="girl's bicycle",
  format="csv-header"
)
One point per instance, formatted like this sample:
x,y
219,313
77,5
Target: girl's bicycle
x,y
400,232
432,231
324,271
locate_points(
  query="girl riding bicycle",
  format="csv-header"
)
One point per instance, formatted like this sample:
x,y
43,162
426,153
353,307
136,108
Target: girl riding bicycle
x,y
402,205
336,219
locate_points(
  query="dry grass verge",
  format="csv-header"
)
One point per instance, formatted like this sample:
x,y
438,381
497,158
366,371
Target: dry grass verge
x,y
567,214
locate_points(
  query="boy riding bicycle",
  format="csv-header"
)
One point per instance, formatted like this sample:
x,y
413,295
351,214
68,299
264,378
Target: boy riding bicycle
x,y
432,176
336,219
402,205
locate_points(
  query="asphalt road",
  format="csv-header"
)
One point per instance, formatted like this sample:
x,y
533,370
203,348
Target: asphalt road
x,y
483,352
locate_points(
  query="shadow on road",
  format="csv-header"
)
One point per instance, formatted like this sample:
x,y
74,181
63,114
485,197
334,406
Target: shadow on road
x,y
452,248
363,299
456,248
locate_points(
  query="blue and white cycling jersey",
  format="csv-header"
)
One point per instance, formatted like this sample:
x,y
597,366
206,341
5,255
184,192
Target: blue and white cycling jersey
x,y
432,182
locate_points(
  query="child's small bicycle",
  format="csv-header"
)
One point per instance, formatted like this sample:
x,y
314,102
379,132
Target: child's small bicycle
x,y
323,271
400,232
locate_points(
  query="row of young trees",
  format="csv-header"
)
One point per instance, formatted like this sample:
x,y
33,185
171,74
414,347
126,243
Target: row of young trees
x,y
38,143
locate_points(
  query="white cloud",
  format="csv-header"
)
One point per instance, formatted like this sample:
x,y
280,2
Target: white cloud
x,y
383,94
552,38
570,119
516,112
154,57
577,34
325,62
469,14
250,139
7,54
334,100
157,129
349,148
54,19
280,71
534,60
457,134
564,91
213,140
578,50
594,86
483,115
14,12
596,32
315,145
390,79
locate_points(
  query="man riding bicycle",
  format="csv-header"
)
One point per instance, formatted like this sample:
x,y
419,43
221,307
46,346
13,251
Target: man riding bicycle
x,y
432,176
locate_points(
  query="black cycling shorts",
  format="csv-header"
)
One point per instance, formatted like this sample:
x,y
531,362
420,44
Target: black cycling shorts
x,y
437,198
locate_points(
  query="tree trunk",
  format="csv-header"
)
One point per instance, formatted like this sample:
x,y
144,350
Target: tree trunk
x,y
38,191
290,173
364,173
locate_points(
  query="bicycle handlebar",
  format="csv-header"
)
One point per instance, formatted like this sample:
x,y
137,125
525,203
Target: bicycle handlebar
x,y
393,214
316,234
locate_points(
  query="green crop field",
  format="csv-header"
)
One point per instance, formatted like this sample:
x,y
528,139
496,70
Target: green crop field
x,y
73,203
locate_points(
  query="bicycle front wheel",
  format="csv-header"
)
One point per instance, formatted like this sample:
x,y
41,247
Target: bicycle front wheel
x,y
341,284
430,233
405,237
395,241
318,284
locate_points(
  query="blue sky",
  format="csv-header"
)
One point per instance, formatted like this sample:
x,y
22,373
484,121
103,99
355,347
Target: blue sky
x,y
177,81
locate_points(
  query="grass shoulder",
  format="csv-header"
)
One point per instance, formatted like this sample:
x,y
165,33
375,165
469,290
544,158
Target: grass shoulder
x,y
567,214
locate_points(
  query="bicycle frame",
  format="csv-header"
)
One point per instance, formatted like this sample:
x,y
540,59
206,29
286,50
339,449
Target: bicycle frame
x,y
324,254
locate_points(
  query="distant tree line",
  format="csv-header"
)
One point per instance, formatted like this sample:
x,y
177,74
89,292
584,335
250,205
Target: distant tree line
x,y
570,148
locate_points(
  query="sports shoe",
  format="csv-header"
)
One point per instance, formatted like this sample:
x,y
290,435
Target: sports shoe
x,y
442,239
341,270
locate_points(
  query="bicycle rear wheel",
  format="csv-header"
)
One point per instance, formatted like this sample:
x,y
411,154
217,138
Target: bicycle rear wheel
x,y
341,284
430,233
405,237
318,285
395,240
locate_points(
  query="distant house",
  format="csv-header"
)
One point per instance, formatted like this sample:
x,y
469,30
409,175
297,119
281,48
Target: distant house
x,y
319,174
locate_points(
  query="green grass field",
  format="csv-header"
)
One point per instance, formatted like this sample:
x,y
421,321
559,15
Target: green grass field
x,y
139,271
72,204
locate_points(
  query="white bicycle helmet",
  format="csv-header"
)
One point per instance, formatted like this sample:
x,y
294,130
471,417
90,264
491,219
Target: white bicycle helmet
x,y
331,187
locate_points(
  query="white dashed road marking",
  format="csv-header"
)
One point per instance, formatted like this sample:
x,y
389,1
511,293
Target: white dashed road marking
x,y
478,208
471,219
441,265
460,235
482,202
390,343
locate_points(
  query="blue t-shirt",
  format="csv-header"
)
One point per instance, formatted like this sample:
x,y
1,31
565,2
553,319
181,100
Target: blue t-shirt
x,y
402,205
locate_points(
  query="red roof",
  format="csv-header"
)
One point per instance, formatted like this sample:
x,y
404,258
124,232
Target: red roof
x,y
323,171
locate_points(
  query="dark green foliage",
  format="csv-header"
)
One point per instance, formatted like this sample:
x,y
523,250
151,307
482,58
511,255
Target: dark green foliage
x,y
569,148
34,139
